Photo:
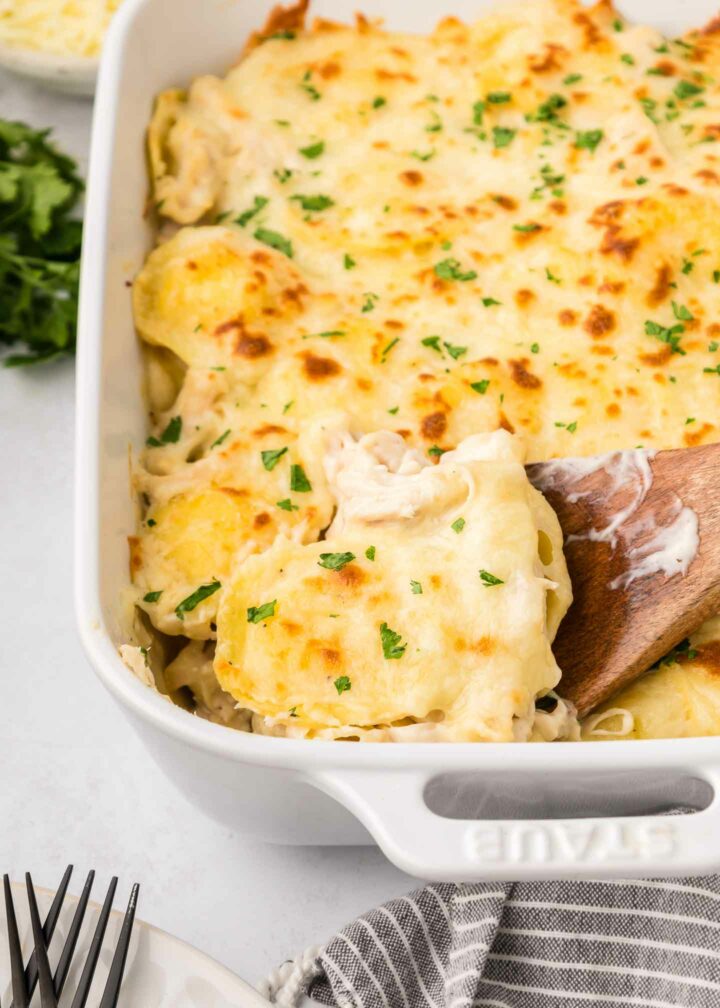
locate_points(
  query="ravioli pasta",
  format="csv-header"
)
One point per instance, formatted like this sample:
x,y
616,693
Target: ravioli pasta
x,y
509,226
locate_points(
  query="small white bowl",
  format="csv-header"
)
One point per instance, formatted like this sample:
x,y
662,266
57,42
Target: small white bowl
x,y
71,74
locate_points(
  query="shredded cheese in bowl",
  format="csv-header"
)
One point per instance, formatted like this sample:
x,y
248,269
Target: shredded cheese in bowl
x,y
62,27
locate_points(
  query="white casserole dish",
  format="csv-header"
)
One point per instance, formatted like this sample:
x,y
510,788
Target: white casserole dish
x,y
439,811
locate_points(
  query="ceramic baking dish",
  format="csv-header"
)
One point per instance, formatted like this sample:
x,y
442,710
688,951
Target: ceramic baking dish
x,y
439,811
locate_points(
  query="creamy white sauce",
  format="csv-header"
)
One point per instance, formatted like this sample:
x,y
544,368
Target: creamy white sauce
x,y
667,548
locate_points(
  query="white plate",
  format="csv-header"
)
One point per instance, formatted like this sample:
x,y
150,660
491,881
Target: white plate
x,y
70,74
161,971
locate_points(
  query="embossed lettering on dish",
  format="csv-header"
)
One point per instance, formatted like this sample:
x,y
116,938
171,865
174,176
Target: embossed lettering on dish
x,y
578,842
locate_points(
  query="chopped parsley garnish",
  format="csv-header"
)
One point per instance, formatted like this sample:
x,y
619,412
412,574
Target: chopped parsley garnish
x,y
394,410
687,266
713,346
478,113
335,561
313,150
348,262
436,125
617,25
199,595
369,302
455,351
526,228
551,276
288,405
327,334
712,370
171,434
689,420
316,203
534,348
282,175
370,552
259,202
481,386
670,335
588,139
489,302
342,684
151,523
422,156
391,646
450,269
309,88
683,650
287,505
627,58
275,240
299,483
572,78
436,452
271,457
386,350
416,588
152,596
256,614
219,440
547,111
641,180
502,136
499,97
686,89
379,102
489,580
681,312
458,525
570,427
716,276
433,342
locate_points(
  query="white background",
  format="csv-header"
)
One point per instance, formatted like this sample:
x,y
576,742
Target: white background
x,y
75,784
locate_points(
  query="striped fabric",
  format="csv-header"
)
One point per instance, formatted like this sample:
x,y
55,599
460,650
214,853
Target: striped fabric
x,y
650,944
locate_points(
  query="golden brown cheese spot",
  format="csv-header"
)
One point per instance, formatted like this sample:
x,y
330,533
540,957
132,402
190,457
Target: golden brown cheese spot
x,y
567,317
599,322
615,243
319,368
696,437
505,423
506,202
350,576
330,656
253,346
664,68
262,519
235,492
706,174
411,178
435,581
661,288
612,410
388,75
290,628
191,264
591,33
523,297
269,429
521,376
329,70
280,19
433,426
709,655
547,60
662,356
136,559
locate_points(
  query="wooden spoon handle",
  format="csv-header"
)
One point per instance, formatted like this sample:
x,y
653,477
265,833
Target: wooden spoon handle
x,y
623,621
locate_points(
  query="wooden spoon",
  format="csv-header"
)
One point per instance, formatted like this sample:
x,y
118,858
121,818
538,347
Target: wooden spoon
x,y
627,612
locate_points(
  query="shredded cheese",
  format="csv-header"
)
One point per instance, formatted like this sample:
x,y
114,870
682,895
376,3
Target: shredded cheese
x,y
63,27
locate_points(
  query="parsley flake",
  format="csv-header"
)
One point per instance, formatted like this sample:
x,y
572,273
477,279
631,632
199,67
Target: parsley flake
x,y
313,150
299,483
271,457
342,684
588,139
335,561
256,614
455,351
450,269
152,596
488,302
369,302
669,335
416,588
458,525
502,136
370,552
171,434
681,312
348,262
391,646
489,580
287,505
481,386
218,441
199,595
314,203
259,202
275,240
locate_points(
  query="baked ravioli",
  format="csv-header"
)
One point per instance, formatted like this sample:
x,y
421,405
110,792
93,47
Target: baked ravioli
x,y
427,612
508,225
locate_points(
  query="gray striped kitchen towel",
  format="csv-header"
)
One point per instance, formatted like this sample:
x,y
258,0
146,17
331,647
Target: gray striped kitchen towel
x,y
649,944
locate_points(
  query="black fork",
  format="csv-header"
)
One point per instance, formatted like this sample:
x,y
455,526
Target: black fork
x,y
38,973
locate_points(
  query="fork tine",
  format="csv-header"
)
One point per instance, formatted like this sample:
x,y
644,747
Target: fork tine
x,y
68,951
51,920
115,976
20,994
47,989
83,989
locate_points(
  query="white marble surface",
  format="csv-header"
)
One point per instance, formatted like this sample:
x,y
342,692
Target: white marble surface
x,y
75,784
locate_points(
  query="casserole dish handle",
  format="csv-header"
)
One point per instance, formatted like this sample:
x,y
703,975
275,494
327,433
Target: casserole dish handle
x,y
392,806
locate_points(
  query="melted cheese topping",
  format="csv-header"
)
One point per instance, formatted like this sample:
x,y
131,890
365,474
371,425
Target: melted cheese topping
x,y
507,224
427,601
56,26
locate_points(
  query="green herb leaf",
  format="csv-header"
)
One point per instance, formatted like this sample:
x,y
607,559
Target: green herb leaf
x,y
436,452
433,342
686,89
379,102
287,505
369,302
422,156
314,203
335,561
275,240
458,525
499,97
481,386
670,335
450,269
502,136
256,614
152,596
328,334
488,302
370,552
271,457
259,202
455,351
348,262
299,483
588,139
548,110
572,78
416,588
526,228
535,348
342,684
219,440
199,595
391,646
681,312
313,150
489,580
171,434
